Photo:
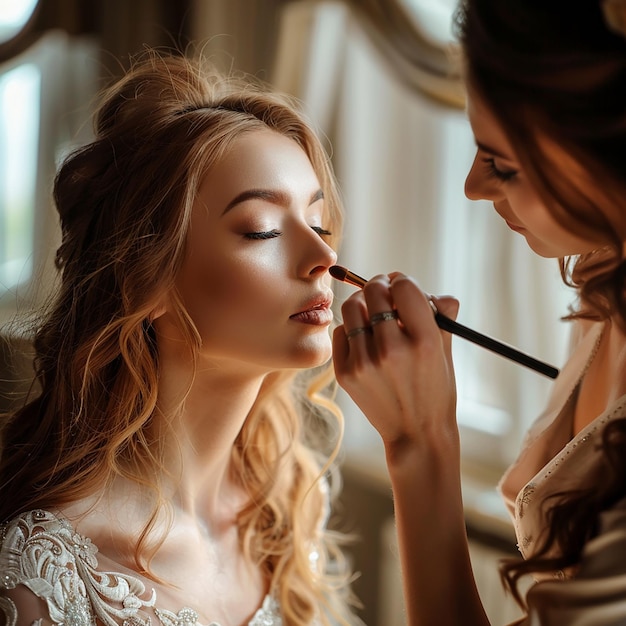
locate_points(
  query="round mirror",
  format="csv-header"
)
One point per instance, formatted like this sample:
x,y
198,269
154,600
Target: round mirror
x,y
14,15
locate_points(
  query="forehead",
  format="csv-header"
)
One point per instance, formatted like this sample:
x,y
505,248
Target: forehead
x,y
258,160
486,127
488,132
263,155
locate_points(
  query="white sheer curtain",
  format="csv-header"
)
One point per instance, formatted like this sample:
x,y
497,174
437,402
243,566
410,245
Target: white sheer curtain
x,y
401,159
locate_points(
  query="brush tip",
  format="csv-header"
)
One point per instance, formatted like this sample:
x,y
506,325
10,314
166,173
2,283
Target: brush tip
x,y
338,272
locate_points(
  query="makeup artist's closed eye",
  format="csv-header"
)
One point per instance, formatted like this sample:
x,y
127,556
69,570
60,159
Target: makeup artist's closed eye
x,y
494,171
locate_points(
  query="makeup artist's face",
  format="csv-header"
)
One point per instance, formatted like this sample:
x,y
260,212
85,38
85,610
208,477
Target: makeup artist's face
x,y
255,280
496,175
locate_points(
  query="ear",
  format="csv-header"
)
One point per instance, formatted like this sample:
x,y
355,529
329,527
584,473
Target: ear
x,y
158,311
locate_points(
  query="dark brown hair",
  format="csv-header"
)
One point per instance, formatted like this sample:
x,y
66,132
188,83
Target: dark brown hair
x,y
553,74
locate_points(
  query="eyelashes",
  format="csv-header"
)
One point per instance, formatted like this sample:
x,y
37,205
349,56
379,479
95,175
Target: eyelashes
x,y
271,234
264,234
321,231
494,172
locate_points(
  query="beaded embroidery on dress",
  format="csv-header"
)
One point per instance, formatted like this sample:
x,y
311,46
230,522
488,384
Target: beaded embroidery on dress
x,y
44,553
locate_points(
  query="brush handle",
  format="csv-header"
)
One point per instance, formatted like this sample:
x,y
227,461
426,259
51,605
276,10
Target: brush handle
x,y
445,323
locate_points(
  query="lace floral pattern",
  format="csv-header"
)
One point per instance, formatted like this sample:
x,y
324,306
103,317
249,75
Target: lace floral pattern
x,y
44,553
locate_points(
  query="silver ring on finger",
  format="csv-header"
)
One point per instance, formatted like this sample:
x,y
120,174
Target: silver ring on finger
x,y
383,316
358,331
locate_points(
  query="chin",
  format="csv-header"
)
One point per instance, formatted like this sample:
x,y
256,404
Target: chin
x,y
543,250
313,356
315,360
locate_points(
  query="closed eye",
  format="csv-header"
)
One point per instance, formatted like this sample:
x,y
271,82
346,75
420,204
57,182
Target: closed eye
x,y
321,231
263,234
494,172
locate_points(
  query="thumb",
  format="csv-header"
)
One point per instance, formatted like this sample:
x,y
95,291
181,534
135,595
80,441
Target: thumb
x,y
448,306
340,350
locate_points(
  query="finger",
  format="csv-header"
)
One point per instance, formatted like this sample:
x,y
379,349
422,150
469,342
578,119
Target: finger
x,y
412,304
381,310
356,324
341,351
448,306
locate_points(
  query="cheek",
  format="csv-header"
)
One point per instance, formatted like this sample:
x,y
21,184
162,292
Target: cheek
x,y
233,291
251,275
527,206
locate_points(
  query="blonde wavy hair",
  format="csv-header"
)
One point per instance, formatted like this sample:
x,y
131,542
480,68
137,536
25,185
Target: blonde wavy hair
x,y
124,202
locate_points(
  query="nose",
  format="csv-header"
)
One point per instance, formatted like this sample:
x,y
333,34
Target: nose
x,y
479,185
472,185
316,254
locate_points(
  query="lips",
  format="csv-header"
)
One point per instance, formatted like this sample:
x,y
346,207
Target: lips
x,y
514,227
503,214
317,311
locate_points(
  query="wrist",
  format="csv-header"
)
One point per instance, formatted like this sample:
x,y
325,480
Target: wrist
x,y
437,455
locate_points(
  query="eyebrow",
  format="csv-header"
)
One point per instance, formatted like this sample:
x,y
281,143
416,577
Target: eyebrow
x,y
270,195
485,148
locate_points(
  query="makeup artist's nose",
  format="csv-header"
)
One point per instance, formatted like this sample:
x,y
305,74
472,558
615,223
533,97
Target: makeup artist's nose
x,y
472,183
317,255
478,184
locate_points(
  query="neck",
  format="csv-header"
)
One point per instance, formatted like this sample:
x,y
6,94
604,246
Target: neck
x,y
615,355
209,407
603,382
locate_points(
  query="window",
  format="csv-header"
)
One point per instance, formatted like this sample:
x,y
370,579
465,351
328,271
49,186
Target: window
x,y
45,94
19,134
20,88
13,16
433,19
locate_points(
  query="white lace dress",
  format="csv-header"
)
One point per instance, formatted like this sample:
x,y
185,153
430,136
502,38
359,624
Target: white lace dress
x,y
44,553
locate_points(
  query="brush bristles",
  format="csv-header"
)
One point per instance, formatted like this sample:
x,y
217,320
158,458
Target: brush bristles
x,y
338,272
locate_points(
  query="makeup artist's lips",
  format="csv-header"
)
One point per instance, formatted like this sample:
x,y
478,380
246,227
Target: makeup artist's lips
x,y
316,312
517,229
502,210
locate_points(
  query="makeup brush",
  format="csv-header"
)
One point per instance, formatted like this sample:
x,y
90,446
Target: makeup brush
x,y
445,323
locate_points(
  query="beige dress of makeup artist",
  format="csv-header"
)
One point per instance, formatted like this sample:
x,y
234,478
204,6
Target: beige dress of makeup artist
x,y
552,461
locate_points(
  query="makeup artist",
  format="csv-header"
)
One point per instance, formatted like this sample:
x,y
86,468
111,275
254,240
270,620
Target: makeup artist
x,y
546,89
171,469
